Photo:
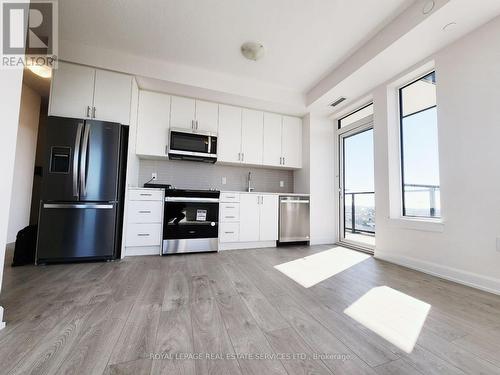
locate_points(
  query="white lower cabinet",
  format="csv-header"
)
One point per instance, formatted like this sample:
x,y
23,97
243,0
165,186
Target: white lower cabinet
x,y
268,223
144,221
248,220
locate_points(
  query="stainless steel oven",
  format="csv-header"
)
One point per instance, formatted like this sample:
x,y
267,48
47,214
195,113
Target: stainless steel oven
x,y
191,221
195,146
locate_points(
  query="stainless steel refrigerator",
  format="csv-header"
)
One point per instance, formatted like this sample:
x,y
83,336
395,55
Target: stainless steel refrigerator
x,y
82,190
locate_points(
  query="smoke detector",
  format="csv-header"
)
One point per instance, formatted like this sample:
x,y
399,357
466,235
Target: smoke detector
x,y
252,50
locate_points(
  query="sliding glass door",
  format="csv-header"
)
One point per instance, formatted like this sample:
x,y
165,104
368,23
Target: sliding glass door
x,y
356,188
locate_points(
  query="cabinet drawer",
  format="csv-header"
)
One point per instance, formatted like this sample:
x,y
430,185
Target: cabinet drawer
x,y
229,232
145,195
144,234
144,211
230,212
229,197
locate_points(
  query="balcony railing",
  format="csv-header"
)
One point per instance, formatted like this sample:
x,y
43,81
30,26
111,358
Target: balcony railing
x,y
432,191
364,222
357,226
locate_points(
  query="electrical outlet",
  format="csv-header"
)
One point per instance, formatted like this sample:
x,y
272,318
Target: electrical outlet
x,y
282,183
224,180
498,244
154,175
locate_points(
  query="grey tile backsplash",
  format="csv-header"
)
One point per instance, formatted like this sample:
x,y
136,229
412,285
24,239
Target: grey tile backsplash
x,y
194,175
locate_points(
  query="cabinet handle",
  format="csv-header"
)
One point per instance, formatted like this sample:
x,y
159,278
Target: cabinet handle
x,y
229,217
145,194
230,206
228,232
88,111
196,124
242,156
144,212
93,112
284,160
143,234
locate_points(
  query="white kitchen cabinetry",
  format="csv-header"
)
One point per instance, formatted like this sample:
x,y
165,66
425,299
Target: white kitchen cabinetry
x,y
240,135
229,134
72,91
153,124
191,114
144,222
268,218
182,113
248,220
112,96
252,131
282,141
84,92
291,142
272,140
207,116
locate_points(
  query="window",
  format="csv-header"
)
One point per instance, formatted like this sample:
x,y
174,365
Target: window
x,y
358,114
419,148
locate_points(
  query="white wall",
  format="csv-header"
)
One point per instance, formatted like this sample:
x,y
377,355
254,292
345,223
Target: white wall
x,y
468,97
10,97
27,133
317,177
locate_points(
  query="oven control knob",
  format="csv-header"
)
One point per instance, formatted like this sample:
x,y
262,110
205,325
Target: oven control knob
x,y
212,224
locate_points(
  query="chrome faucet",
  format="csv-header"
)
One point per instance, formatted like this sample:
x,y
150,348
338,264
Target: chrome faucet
x,y
249,180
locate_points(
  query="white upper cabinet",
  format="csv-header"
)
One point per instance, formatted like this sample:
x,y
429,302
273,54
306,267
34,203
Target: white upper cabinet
x,y
153,124
249,217
182,115
252,132
207,116
272,139
229,134
112,96
72,91
291,145
268,218
84,92
194,114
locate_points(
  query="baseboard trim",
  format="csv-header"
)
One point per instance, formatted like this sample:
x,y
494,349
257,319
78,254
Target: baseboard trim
x,y
474,280
224,246
2,323
142,250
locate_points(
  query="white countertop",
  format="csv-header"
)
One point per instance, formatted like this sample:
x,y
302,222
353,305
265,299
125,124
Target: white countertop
x,y
265,192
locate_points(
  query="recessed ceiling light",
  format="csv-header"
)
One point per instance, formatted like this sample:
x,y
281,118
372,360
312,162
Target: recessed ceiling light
x,y
41,70
252,50
428,7
449,26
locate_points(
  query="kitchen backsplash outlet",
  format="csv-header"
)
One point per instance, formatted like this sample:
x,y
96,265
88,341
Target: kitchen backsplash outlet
x,y
193,175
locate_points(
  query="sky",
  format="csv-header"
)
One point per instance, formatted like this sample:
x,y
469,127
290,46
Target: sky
x,y
421,163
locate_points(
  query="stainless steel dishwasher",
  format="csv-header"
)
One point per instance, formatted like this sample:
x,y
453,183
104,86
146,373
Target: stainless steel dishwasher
x,y
294,218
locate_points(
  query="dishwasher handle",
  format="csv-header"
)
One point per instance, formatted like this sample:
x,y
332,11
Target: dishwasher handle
x,y
286,201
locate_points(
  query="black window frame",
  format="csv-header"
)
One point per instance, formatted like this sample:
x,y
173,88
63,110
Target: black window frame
x,y
351,113
401,151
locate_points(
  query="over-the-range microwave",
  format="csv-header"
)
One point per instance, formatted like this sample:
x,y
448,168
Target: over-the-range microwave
x,y
192,145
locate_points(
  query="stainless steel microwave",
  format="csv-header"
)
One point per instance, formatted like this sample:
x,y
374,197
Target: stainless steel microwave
x,y
194,146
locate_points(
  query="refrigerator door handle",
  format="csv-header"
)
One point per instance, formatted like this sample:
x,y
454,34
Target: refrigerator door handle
x,y
76,157
83,160
64,205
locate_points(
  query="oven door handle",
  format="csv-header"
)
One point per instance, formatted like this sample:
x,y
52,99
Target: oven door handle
x,y
191,199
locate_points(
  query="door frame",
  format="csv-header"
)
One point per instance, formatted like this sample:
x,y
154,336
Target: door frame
x,y
357,127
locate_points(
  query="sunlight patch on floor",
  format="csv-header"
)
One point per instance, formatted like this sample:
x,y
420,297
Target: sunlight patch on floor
x,y
395,316
315,268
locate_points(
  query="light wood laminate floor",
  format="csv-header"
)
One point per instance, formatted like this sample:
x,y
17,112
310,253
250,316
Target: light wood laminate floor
x,y
150,315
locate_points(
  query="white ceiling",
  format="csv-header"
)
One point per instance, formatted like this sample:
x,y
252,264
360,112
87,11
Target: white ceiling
x,y
304,39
